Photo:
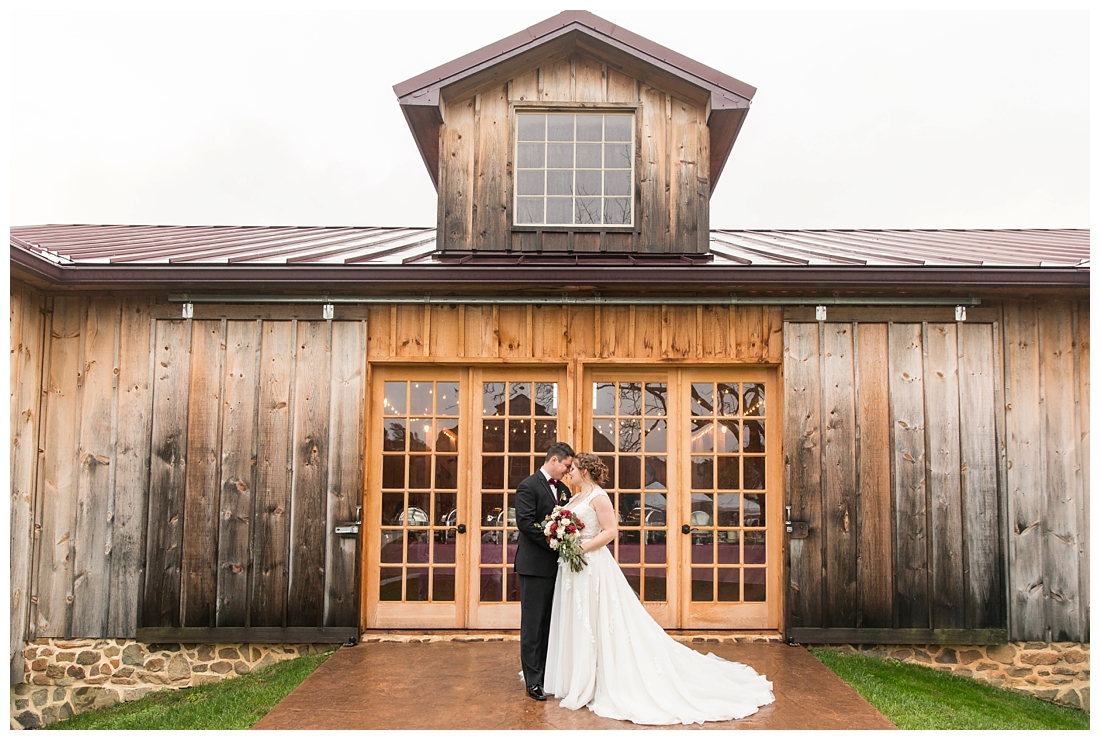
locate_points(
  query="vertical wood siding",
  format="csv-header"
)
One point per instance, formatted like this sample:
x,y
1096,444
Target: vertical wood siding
x,y
672,162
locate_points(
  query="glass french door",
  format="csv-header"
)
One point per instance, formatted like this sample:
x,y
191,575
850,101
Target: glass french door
x,y
447,448
692,481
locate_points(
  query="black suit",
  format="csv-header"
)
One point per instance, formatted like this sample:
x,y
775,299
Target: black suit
x,y
537,568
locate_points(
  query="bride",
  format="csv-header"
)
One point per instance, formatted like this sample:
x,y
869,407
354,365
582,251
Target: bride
x,y
605,650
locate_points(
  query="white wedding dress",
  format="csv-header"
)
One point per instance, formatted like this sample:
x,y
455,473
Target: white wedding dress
x,y
608,654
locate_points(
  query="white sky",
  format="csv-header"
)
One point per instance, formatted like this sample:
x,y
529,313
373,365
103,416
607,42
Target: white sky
x,y
283,114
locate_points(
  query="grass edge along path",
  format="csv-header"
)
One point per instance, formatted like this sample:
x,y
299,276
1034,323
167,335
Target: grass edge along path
x,y
232,704
915,697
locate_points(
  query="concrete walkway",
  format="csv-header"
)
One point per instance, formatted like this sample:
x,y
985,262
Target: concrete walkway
x,y
475,686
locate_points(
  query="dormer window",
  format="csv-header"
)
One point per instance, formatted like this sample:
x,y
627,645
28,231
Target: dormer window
x,y
574,169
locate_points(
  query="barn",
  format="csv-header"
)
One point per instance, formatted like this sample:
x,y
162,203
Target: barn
x,y
287,437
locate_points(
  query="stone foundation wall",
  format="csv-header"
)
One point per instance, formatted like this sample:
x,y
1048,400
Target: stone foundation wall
x,y
1055,671
64,678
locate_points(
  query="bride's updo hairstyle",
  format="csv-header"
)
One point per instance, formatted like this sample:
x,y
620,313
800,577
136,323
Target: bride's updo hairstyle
x,y
594,465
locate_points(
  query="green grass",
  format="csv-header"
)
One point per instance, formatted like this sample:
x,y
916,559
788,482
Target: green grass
x,y
918,698
233,704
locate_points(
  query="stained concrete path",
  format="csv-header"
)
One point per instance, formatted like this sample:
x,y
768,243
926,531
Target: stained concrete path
x,y
475,686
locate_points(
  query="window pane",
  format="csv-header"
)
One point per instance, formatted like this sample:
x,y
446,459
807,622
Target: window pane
x,y
519,435
630,472
589,128
529,211
589,155
559,155
492,400
754,472
446,402
729,511
559,210
492,473
559,183
395,399
560,127
533,128
655,395
589,182
546,434
546,399
728,435
630,439
446,439
616,183
654,435
754,399
530,182
420,435
395,435
617,156
446,472
618,128
616,211
519,399
603,399
702,399
754,436
727,399
603,435
531,155
588,211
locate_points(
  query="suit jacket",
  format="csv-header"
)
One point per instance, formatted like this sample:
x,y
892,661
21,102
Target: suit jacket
x,y
534,502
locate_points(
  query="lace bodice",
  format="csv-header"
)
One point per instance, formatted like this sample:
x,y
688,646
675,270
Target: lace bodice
x,y
582,507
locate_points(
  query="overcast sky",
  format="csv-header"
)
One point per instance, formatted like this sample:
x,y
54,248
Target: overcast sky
x,y
283,114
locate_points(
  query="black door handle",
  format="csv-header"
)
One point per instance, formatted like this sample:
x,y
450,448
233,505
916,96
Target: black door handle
x,y
686,529
461,529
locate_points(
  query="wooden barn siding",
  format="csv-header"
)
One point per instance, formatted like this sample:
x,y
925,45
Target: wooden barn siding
x,y
988,429
1046,369
671,162
27,323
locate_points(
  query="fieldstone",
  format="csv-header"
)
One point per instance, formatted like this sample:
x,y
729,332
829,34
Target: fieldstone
x,y
115,662
22,689
1035,645
921,656
1058,681
987,667
40,697
40,680
222,666
164,647
1042,657
1032,680
95,681
29,720
1047,694
111,651
65,711
206,653
84,696
87,657
21,704
105,698
45,652
93,671
157,678
229,653
178,668
30,653
39,664
970,656
59,694
106,669
75,671
1001,653
1017,672
65,657
54,671
199,668
241,667
1076,655
1084,692
257,654
124,672
1044,673
947,656
122,681
50,715
267,660
154,664
69,644
133,655
963,672
1063,671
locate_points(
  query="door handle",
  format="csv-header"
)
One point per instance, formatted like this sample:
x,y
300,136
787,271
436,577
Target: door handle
x,y
461,528
686,529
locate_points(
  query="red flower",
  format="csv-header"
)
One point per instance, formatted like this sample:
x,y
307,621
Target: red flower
x,y
553,526
570,529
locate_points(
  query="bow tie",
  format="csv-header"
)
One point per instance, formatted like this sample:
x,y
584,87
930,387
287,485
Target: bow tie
x,y
555,482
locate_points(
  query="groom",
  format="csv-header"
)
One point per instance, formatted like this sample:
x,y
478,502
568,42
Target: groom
x,y
537,563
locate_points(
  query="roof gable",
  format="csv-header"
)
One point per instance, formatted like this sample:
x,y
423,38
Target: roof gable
x,y
727,99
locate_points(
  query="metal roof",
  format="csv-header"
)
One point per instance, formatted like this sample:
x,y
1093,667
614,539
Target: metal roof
x,y
269,246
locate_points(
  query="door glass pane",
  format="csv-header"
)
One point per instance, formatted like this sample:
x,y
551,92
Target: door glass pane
x,y
419,498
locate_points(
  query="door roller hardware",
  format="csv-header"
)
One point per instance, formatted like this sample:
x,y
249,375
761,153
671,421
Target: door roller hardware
x,y
350,529
796,530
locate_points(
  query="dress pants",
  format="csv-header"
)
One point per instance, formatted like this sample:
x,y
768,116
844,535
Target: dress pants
x,y
536,599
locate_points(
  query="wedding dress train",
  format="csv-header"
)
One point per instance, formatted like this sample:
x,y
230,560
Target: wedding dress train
x,y
606,652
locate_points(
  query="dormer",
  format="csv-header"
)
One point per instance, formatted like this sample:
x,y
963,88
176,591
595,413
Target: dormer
x,y
574,135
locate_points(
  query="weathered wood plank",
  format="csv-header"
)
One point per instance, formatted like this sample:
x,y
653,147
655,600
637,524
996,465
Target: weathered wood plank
x,y
271,517
1060,559
941,408
802,377
131,460
411,337
52,592
747,331
479,338
680,322
910,494
588,76
614,331
378,333
446,333
875,596
840,517
512,331
25,389
772,333
581,331
270,635
978,457
683,198
647,332
167,475
239,449
200,519
310,442
556,81
621,88
887,636
456,185
1084,526
653,174
547,335
1024,495
345,472
92,544
525,86
716,331
491,197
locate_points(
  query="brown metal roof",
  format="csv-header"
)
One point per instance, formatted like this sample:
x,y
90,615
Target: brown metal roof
x,y
87,245
729,98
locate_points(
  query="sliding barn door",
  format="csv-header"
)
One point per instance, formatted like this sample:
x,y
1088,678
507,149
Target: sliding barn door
x,y
892,482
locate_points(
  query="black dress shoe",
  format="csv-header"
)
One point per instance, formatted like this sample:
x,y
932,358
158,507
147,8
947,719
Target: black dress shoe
x,y
536,693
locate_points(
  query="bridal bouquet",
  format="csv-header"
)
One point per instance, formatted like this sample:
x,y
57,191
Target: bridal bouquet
x,y
562,529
